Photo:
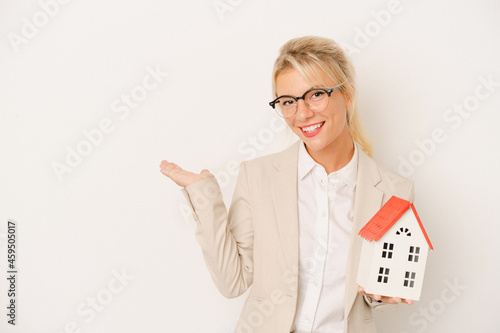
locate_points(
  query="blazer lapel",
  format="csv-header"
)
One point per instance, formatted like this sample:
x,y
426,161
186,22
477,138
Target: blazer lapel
x,y
367,202
284,192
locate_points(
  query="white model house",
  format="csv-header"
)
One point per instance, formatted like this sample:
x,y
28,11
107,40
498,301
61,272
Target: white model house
x,y
394,251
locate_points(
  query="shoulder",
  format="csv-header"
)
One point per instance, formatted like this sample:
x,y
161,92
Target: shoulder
x,y
383,179
289,154
392,182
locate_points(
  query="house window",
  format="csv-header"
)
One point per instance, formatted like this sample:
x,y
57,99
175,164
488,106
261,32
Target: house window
x,y
383,275
404,231
387,252
414,253
409,279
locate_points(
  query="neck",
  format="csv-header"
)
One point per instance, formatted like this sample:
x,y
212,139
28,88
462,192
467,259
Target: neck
x,y
336,156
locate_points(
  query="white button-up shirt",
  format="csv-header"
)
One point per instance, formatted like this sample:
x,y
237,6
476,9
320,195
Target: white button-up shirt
x,y
326,210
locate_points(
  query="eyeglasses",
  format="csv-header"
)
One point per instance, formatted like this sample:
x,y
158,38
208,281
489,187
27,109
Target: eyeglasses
x,y
315,99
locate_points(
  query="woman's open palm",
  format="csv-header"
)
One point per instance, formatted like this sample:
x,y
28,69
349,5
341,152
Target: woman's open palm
x,y
183,177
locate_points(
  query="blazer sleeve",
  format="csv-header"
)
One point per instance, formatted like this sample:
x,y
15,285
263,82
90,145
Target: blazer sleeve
x,y
226,239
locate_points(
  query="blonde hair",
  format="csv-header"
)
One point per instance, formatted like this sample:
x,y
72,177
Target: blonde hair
x,y
309,54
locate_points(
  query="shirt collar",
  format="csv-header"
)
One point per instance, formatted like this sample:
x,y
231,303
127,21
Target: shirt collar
x,y
348,173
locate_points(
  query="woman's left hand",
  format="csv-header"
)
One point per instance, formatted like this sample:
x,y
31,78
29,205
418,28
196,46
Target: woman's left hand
x,y
386,299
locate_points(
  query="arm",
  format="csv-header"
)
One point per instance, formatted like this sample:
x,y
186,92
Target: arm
x,y
226,239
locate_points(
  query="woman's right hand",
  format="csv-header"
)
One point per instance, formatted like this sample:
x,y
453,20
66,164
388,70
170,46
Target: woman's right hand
x,y
182,177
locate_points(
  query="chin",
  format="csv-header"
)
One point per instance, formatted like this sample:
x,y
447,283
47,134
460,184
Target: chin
x,y
314,145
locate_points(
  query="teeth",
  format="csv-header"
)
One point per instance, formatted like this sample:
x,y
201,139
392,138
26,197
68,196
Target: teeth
x,y
312,128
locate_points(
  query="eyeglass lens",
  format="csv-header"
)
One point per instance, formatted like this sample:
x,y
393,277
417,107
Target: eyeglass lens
x,y
315,100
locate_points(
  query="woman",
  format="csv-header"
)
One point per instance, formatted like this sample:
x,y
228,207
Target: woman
x,y
292,227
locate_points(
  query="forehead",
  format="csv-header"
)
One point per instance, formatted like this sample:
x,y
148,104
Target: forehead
x,y
292,82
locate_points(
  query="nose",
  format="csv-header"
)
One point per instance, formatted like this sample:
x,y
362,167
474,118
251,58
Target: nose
x,y
303,111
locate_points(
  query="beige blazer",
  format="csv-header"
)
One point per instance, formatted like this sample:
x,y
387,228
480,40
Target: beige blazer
x,y
256,243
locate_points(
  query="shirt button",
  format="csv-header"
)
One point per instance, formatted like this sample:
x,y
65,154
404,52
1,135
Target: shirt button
x,y
324,214
315,283
307,319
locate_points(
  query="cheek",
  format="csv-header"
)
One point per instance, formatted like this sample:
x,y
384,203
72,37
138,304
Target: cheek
x,y
339,111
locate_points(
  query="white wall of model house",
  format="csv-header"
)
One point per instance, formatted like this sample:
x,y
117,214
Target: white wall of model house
x,y
395,264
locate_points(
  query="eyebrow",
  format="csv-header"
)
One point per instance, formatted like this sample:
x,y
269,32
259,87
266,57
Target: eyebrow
x,y
313,87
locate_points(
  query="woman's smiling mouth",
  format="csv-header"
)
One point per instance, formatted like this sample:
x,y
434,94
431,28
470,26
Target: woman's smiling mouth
x,y
312,130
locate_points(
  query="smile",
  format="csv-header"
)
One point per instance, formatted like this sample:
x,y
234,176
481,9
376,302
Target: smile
x,y
312,130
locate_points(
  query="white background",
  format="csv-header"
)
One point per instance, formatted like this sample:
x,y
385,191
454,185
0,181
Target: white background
x,y
115,212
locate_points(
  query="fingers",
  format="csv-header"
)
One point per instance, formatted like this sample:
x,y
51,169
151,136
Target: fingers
x,y
397,300
394,300
385,299
390,300
169,169
166,164
169,166
408,301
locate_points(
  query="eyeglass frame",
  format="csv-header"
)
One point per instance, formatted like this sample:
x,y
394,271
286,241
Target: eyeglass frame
x,y
328,91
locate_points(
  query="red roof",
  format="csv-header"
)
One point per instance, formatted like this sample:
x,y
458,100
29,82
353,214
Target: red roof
x,y
385,218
